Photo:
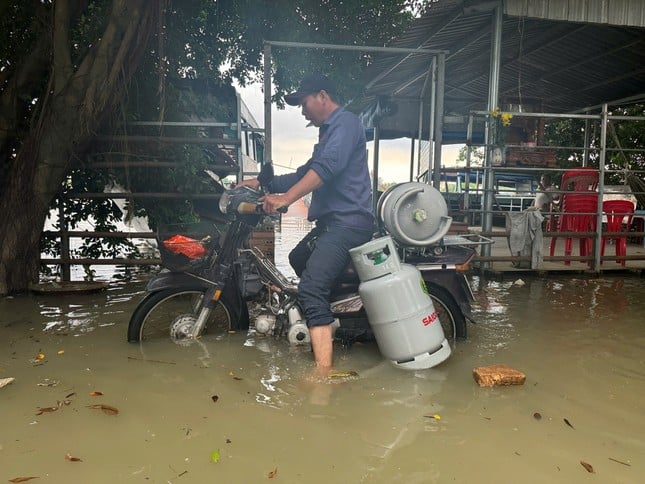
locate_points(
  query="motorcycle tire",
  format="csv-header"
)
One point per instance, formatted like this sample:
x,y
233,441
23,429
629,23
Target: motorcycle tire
x,y
452,319
155,315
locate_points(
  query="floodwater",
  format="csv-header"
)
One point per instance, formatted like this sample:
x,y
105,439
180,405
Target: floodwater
x,y
247,403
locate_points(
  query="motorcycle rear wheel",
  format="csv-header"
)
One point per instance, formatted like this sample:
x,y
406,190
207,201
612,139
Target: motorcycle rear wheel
x,y
452,319
155,315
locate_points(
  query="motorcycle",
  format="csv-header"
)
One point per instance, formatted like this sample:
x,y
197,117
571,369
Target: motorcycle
x,y
215,282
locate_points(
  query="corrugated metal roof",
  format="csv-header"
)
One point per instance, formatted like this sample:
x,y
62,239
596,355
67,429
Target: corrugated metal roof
x,y
615,12
566,66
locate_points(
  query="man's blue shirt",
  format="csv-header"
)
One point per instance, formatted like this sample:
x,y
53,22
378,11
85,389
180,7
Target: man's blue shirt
x,y
340,160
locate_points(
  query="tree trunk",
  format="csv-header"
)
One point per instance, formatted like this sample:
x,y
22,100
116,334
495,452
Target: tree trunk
x,y
70,112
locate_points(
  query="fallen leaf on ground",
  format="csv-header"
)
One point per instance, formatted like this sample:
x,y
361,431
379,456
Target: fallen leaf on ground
x,y
71,458
587,466
108,409
22,479
95,394
273,473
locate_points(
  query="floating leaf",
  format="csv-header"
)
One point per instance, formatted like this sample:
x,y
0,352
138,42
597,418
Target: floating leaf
x,y
22,479
70,395
342,374
435,416
108,409
587,466
42,410
214,398
228,441
95,394
273,473
537,416
71,458
48,383
569,424
41,356
6,381
60,352
619,461
215,456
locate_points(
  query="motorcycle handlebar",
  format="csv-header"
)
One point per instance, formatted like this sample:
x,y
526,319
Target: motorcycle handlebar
x,y
255,208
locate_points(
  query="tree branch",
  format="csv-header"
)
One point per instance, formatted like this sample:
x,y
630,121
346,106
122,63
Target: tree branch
x,y
62,59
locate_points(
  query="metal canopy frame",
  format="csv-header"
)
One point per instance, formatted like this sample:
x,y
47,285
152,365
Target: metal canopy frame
x,y
436,71
570,62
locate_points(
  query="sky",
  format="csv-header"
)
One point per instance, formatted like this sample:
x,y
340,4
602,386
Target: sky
x,y
293,141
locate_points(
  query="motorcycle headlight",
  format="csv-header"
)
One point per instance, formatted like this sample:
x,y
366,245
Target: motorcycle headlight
x,y
223,202
230,200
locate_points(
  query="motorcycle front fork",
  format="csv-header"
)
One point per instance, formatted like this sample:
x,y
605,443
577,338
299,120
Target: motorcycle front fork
x,y
207,304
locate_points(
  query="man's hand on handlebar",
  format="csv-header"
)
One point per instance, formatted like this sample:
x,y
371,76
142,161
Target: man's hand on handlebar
x,y
274,203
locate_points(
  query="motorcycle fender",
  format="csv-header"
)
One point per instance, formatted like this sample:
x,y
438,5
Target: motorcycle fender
x,y
166,280
456,284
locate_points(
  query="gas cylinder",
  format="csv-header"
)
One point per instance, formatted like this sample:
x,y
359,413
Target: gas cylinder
x,y
400,311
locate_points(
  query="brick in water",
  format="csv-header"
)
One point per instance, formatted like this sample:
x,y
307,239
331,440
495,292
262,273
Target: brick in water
x,y
498,375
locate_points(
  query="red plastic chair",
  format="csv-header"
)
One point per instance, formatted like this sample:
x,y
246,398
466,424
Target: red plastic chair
x,y
578,215
617,211
582,179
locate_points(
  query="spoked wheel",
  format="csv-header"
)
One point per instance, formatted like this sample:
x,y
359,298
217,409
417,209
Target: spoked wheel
x,y
452,320
173,313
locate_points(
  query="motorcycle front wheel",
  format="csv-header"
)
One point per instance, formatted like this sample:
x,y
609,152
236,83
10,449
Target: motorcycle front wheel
x,y
162,313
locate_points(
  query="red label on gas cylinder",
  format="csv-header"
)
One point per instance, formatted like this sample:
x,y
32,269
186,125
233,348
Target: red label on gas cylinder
x,y
428,320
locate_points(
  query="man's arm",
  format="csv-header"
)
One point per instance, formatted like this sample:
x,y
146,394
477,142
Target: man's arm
x,y
307,184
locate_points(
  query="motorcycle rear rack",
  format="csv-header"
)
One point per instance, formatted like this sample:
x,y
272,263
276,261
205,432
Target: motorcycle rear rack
x,y
466,240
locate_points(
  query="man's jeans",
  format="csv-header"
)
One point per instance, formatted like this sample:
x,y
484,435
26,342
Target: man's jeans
x,y
318,260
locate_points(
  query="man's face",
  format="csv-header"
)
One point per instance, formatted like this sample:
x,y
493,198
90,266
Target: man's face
x,y
314,108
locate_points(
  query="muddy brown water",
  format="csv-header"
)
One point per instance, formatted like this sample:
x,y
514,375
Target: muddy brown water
x,y
580,342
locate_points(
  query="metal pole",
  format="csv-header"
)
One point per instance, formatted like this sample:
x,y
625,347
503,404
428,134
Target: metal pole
x,y
493,93
362,48
377,135
438,117
585,155
412,158
238,148
267,104
601,185
420,134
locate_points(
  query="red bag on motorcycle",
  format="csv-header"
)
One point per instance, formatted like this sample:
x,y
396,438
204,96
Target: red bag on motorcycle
x,y
180,244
